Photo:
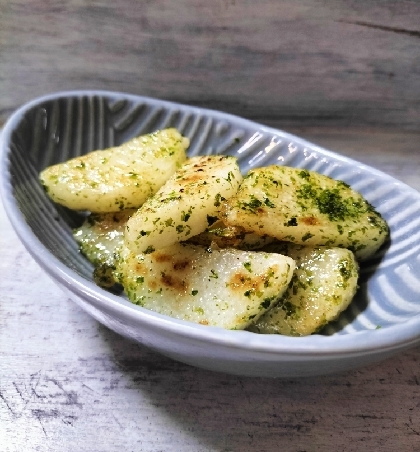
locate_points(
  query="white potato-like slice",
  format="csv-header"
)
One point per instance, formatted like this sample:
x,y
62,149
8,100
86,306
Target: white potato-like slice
x,y
307,208
100,239
116,178
227,288
230,237
323,285
185,205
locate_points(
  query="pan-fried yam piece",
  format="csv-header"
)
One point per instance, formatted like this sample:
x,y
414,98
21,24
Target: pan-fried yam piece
x,y
227,288
116,178
306,208
323,285
230,237
185,205
100,239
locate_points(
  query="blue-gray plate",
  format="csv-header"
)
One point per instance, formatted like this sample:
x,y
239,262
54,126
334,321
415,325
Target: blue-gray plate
x,y
383,319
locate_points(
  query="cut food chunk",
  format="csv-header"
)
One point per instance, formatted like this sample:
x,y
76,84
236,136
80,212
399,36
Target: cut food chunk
x,y
227,288
185,205
230,237
306,208
323,285
100,239
117,178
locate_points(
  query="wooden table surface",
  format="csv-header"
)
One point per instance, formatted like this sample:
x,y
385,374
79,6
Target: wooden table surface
x,y
67,383
344,74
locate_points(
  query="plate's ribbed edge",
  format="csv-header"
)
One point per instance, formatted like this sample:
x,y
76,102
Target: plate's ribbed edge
x,y
390,296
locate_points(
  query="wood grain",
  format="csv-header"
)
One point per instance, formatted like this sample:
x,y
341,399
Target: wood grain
x,y
323,62
69,384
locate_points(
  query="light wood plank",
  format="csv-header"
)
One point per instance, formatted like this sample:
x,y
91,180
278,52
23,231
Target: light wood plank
x,y
67,383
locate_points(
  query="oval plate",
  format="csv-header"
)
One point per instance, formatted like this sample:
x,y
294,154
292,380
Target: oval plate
x,y
383,318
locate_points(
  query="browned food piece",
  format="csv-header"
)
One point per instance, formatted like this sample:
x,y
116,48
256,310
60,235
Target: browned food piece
x,y
307,208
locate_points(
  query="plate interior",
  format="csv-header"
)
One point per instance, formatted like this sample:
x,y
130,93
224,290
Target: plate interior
x,y
61,128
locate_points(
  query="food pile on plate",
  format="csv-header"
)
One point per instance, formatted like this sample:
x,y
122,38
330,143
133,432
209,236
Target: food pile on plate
x,y
274,251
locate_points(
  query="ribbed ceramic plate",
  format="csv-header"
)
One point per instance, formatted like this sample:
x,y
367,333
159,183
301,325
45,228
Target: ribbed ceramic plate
x,y
386,310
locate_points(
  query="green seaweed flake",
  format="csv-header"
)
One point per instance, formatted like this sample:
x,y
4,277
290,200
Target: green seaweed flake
x,y
331,202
